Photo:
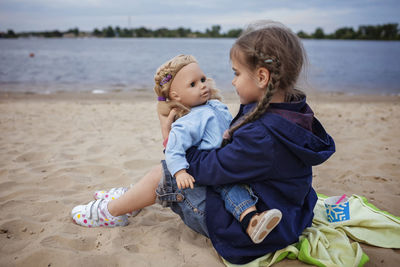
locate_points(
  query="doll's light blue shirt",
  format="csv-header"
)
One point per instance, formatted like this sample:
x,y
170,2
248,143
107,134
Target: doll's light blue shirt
x,y
203,127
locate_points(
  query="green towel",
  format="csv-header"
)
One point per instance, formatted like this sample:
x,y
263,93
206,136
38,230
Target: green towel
x,y
327,244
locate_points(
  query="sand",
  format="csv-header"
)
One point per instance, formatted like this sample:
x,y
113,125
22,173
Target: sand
x,y
56,150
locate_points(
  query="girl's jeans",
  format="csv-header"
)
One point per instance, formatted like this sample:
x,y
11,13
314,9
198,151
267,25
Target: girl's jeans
x,y
190,204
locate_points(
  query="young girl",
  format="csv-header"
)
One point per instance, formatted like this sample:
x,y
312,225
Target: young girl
x,y
202,120
273,143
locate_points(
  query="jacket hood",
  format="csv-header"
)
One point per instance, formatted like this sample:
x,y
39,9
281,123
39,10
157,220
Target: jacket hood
x,y
296,127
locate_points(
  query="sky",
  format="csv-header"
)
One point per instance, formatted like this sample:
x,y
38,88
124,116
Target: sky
x,y
306,15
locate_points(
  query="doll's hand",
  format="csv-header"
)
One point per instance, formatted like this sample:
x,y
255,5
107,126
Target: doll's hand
x,y
184,179
166,122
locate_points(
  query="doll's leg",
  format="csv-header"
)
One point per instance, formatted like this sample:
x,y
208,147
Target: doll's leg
x,y
140,195
240,201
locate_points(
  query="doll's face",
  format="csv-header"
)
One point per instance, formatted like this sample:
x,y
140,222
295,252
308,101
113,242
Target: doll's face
x,y
189,86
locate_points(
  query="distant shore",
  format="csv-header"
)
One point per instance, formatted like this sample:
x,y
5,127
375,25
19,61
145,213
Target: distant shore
x,y
388,31
148,94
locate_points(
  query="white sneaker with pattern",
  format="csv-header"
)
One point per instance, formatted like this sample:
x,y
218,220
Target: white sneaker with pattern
x,y
96,214
112,194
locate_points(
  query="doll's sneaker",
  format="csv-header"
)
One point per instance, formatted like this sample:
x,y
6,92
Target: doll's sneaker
x,y
95,214
261,224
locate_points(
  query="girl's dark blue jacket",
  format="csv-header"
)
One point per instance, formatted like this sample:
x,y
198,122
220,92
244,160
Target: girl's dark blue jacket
x,y
274,155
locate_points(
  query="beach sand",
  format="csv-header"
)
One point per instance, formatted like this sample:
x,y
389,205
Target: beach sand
x,y
56,150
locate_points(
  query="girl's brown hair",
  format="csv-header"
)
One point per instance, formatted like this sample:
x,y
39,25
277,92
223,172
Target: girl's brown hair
x,y
275,47
163,83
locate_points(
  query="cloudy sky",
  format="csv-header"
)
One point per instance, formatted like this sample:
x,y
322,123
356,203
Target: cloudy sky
x,y
39,15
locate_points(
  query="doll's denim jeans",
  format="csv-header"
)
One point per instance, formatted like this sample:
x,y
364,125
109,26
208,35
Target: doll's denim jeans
x,y
237,198
189,204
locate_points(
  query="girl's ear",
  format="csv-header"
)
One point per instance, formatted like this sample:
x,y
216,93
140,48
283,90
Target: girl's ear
x,y
262,77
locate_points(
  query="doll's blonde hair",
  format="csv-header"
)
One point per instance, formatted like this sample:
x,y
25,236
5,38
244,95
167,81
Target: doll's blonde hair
x,y
163,85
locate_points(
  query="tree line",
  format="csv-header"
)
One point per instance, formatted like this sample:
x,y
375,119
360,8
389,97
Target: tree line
x,y
388,31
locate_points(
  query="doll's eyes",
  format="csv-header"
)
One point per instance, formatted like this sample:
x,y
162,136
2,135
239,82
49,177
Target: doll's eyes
x,y
203,80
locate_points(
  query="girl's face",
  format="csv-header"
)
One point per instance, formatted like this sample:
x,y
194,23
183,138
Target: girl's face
x,y
245,83
189,86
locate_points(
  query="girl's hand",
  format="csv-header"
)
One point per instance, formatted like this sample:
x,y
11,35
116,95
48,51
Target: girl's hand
x,y
184,179
166,122
226,135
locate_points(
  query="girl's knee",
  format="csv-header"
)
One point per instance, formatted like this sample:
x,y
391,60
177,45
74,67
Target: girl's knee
x,y
155,174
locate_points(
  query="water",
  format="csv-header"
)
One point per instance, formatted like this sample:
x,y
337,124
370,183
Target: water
x,y
371,67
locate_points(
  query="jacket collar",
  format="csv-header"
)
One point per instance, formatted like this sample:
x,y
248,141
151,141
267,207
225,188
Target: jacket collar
x,y
292,106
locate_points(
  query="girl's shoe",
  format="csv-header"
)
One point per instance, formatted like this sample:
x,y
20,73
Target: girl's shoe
x,y
112,194
262,224
95,214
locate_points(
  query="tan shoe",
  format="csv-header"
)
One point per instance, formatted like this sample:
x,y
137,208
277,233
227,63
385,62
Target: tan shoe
x,y
262,224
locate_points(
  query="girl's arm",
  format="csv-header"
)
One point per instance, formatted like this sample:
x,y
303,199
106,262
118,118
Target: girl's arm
x,y
166,122
248,158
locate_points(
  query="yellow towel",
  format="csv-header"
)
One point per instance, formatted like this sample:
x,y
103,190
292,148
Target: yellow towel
x,y
327,244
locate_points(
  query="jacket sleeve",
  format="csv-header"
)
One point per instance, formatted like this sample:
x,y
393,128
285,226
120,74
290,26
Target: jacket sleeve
x,y
186,132
247,159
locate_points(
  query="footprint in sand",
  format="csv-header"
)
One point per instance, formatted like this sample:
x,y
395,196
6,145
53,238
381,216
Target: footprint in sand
x,y
132,248
96,149
3,174
81,243
138,164
45,168
7,186
377,178
46,257
17,234
33,156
